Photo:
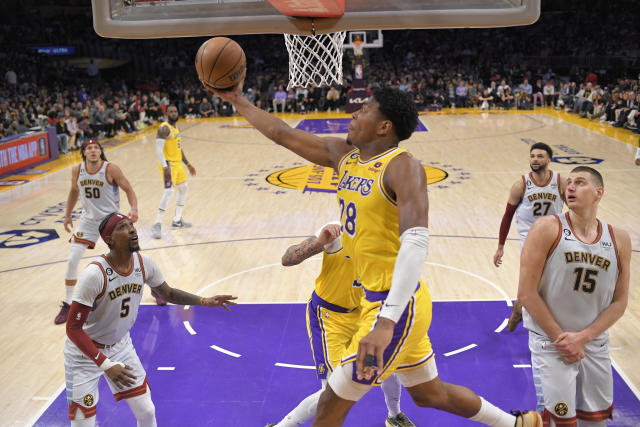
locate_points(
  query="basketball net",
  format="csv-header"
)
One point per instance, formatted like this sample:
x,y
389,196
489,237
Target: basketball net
x,y
315,60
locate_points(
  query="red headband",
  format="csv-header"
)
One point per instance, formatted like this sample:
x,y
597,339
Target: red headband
x,y
111,224
89,142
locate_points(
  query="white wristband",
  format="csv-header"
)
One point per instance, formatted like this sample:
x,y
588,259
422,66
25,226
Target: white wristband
x,y
108,364
334,245
406,273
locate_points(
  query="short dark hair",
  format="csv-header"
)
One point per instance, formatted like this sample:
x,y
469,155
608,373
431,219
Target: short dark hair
x,y
399,108
597,177
542,146
103,224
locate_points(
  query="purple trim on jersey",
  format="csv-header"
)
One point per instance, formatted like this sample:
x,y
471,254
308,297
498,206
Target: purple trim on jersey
x,y
400,333
316,300
372,296
318,340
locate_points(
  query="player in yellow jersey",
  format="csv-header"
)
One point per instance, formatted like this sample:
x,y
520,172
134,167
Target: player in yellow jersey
x,y
332,319
171,156
384,188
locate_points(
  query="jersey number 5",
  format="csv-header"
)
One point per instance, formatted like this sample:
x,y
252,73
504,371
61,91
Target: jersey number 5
x,y
585,280
349,214
124,310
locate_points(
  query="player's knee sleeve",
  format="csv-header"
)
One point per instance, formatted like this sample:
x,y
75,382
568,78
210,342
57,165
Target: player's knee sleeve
x,y
182,194
75,255
166,196
143,408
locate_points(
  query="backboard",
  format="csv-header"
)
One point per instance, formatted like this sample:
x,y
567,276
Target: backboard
x,y
190,18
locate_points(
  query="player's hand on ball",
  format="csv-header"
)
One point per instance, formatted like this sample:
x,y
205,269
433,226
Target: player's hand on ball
x,y
121,376
220,300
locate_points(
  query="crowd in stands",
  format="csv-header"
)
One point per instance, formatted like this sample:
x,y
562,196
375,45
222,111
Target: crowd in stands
x,y
500,68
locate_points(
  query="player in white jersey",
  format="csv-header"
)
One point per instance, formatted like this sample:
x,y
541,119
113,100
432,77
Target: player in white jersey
x,y
637,158
96,182
574,285
105,307
538,193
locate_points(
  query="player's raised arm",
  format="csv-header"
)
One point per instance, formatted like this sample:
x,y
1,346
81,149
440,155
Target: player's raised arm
x,y
321,151
180,297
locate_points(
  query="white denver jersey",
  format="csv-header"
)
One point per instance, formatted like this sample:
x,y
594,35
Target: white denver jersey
x,y
114,296
99,198
578,279
537,200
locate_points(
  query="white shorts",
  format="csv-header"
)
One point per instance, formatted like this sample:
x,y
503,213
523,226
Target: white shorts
x,y
574,390
86,232
82,375
342,383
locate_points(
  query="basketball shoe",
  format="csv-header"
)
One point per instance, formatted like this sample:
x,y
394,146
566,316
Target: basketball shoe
x,y
180,224
156,230
399,420
527,419
62,315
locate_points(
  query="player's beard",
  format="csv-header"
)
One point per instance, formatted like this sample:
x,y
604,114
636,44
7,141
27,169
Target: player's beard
x,y
134,247
538,168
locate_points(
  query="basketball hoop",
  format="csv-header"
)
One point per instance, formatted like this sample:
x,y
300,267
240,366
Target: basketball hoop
x,y
357,47
315,60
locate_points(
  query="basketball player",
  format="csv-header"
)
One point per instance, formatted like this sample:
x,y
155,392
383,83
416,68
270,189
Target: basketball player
x,y
97,183
382,195
574,285
539,193
171,156
105,306
637,158
332,319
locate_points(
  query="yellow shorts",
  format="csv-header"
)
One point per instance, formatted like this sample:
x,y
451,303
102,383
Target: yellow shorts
x,y
410,346
330,328
178,174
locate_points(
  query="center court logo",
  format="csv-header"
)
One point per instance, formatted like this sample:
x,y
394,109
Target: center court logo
x,y
319,179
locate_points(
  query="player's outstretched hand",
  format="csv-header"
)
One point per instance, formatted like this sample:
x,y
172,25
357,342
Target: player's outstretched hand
x,y
121,375
68,224
370,357
497,257
219,300
329,233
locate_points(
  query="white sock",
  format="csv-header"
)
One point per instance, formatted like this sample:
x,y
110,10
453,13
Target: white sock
x,y
392,388
305,411
144,410
81,421
68,293
159,216
164,202
493,416
180,200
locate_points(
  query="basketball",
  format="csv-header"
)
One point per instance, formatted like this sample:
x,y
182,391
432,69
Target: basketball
x,y
220,63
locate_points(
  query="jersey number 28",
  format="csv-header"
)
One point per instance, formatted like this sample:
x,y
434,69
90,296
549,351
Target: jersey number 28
x,y
348,216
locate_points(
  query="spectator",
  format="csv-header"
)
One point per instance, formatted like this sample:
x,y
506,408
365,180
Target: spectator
x,y
537,93
462,92
280,99
333,98
549,94
206,109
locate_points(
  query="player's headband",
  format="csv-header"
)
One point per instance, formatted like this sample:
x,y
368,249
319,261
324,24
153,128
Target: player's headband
x,y
111,224
89,142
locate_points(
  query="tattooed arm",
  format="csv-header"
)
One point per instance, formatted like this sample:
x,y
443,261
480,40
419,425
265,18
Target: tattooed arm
x,y
180,297
295,254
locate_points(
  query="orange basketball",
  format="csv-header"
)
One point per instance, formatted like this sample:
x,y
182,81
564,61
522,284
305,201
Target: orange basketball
x,y
220,63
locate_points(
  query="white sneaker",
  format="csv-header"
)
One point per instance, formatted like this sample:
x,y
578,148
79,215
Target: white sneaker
x,y
156,232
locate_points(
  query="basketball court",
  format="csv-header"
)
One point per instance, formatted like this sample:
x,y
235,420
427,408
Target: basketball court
x,y
252,199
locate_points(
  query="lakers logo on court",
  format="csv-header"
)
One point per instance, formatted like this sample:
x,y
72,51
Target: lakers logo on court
x,y
319,179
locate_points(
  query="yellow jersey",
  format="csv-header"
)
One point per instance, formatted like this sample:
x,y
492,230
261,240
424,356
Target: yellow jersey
x,y
172,145
336,282
369,218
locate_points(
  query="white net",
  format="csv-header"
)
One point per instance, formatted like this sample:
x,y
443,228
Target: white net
x,y
315,60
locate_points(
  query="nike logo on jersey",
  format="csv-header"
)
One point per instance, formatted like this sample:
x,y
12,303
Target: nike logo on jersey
x,y
112,279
